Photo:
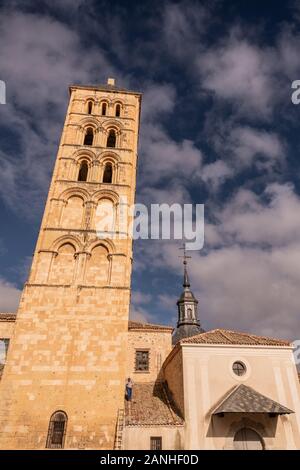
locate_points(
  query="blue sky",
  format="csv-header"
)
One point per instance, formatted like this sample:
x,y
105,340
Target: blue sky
x,y
218,127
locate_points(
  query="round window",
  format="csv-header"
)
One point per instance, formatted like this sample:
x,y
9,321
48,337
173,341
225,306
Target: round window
x,y
239,368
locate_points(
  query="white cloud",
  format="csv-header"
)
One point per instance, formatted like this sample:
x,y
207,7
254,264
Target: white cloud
x,y
248,219
248,277
40,58
139,297
183,26
9,296
242,147
139,314
239,72
216,173
164,158
157,99
247,143
249,289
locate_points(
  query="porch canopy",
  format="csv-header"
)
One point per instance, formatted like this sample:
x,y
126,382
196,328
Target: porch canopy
x,y
244,399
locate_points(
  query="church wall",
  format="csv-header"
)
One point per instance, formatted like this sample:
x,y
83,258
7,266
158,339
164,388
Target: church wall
x,y
159,345
208,377
6,333
173,374
138,437
6,329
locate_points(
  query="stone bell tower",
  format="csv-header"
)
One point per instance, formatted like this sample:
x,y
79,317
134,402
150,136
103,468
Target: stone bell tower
x,y
63,382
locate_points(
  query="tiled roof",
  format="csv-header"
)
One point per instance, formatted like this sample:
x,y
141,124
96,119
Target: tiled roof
x,y
151,404
5,316
233,337
244,399
134,325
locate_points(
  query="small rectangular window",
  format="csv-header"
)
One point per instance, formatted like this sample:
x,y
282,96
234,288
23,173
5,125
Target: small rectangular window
x,y
142,360
4,343
155,443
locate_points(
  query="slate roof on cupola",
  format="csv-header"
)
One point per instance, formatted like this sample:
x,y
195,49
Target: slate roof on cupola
x,y
188,323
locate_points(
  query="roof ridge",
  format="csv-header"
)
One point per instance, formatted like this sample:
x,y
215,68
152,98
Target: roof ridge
x,y
252,335
225,336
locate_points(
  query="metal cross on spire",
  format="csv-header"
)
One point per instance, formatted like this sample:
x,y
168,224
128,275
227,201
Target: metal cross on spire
x,y
185,256
186,282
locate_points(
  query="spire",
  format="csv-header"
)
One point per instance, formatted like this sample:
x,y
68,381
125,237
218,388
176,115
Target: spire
x,y
188,323
186,281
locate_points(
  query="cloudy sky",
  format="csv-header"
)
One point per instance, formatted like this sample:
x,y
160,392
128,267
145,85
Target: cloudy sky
x,y
218,127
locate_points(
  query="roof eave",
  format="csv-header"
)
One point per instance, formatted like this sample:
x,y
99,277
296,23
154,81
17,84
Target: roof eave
x,y
104,88
222,345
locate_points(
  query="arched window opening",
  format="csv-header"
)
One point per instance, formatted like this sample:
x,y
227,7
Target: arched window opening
x,y
118,110
83,171
108,173
57,430
104,108
247,439
63,264
98,267
104,218
89,136
90,107
111,139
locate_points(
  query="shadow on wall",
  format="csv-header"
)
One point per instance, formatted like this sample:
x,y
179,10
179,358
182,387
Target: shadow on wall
x,y
229,424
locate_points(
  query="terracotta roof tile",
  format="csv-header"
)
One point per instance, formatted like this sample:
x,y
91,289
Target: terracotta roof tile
x,y
7,316
134,325
151,405
220,336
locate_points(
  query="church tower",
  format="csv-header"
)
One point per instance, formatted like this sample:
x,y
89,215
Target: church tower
x,y
64,378
188,323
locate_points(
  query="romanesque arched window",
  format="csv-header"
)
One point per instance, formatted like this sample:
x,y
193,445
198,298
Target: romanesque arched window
x,y
103,109
111,138
89,107
98,267
63,265
83,171
105,218
108,173
73,212
89,136
118,110
57,430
